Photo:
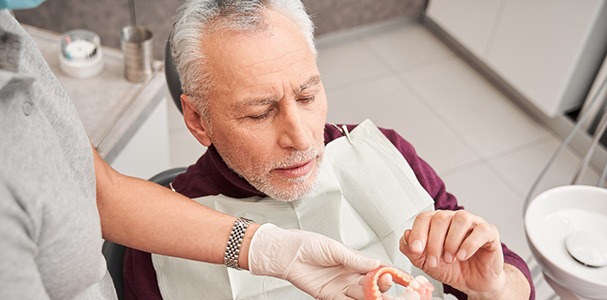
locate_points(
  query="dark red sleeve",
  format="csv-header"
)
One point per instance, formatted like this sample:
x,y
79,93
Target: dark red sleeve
x,y
442,199
140,282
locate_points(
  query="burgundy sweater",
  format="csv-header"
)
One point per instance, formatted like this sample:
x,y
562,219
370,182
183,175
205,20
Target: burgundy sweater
x,y
211,176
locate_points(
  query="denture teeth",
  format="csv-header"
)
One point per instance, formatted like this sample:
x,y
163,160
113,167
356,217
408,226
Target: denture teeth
x,y
371,288
422,279
411,293
414,284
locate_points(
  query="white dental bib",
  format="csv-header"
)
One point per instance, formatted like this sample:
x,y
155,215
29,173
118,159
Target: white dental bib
x,y
365,197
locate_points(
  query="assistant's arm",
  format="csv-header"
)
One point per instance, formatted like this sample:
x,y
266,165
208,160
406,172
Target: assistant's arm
x,y
144,215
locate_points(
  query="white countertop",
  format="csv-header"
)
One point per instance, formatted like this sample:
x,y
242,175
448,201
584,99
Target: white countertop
x,y
110,107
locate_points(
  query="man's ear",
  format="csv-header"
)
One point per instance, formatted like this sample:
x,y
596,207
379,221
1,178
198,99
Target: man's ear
x,y
194,121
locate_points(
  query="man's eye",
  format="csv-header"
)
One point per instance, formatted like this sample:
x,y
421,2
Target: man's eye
x,y
307,99
260,116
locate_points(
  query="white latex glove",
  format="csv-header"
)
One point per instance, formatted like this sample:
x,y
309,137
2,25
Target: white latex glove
x,y
318,265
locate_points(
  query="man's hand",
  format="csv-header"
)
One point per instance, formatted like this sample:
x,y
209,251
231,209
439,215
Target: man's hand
x,y
459,249
312,262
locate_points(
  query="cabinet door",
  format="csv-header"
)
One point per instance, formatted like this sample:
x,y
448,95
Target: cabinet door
x,y
470,22
549,50
147,152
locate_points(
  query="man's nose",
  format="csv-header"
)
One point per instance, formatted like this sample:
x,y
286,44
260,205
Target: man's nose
x,y
295,132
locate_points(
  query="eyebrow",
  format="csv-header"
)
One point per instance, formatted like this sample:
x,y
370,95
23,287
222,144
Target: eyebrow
x,y
269,99
258,101
314,80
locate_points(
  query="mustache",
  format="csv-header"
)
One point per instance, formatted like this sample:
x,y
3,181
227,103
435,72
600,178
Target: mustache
x,y
298,157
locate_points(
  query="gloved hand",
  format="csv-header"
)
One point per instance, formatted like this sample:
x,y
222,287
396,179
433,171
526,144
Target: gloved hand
x,y
317,265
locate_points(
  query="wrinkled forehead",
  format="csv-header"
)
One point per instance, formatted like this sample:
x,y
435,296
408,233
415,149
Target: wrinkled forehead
x,y
247,58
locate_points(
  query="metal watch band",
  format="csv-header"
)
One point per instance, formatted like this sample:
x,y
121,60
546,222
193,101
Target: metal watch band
x,y
230,258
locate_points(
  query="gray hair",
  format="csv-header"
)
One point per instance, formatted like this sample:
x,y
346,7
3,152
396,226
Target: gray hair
x,y
195,18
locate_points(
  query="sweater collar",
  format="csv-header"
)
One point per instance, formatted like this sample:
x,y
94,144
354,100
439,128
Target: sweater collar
x,y
230,179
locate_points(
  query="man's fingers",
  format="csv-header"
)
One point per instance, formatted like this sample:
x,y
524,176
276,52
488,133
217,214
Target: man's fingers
x,y
415,258
439,226
419,233
483,234
462,223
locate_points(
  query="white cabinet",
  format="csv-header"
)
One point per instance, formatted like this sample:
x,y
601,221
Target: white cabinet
x,y
147,152
470,22
548,50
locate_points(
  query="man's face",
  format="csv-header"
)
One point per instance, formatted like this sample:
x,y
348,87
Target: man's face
x,y
268,107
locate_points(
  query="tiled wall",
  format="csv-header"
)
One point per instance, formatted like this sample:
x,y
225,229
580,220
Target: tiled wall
x,y
334,15
106,18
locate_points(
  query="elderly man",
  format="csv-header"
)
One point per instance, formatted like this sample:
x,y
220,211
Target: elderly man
x,y
253,95
58,196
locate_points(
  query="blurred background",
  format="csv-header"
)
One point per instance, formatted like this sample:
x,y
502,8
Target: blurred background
x,y
486,90
106,18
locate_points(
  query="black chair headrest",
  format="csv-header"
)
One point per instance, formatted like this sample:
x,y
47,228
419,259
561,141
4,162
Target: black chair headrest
x,y
170,72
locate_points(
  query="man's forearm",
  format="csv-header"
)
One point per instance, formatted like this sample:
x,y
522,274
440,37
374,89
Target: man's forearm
x,y
146,216
516,287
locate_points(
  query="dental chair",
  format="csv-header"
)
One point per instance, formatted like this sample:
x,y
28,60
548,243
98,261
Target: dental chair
x,y
113,252
170,72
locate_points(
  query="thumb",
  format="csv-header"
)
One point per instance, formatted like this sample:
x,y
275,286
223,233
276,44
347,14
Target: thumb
x,y
406,250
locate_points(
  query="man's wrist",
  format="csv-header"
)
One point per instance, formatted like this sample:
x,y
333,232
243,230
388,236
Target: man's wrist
x,y
512,284
496,293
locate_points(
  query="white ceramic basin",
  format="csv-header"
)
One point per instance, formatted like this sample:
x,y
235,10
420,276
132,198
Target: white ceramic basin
x,y
558,214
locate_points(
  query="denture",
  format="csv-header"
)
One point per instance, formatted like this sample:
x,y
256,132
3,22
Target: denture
x,y
370,287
